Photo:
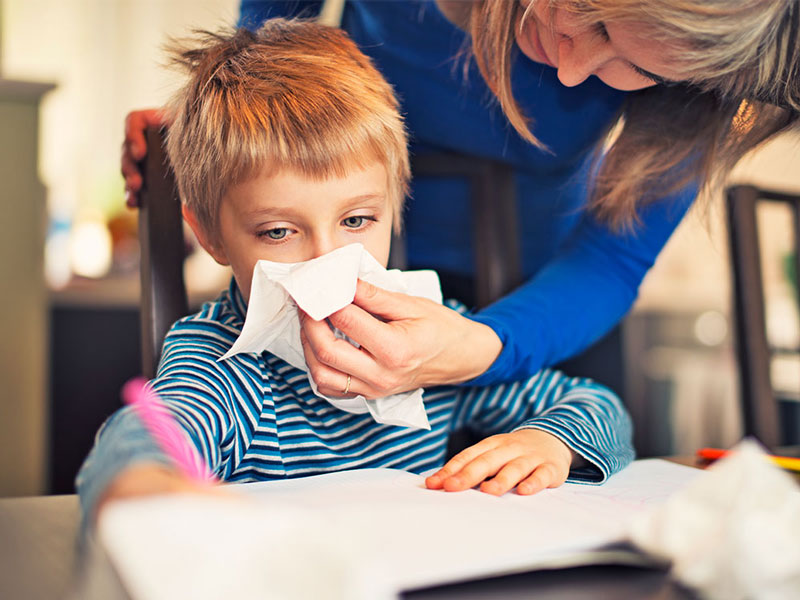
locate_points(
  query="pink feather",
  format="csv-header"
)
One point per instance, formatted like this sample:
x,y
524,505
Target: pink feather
x,y
165,431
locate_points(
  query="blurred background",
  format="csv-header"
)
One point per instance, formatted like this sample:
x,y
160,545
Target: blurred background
x,y
69,73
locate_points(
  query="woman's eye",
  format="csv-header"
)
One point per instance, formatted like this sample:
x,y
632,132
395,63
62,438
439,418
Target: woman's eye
x,y
275,234
354,222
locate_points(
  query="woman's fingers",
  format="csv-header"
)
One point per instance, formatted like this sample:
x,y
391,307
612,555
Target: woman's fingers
x,y
383,303
361,325
333,355
412,342
136,122
134,149
133,179
327,358
406,342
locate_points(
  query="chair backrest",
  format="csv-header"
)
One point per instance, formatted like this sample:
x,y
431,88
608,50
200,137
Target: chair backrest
x,y
760,407
494,218
162,250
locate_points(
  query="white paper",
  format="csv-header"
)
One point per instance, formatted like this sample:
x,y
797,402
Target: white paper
x,y
321,287
369,533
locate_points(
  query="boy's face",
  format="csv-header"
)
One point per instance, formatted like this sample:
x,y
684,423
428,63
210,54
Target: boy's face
x,y
289,218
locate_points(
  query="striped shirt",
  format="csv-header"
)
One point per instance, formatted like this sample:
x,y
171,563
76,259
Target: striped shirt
x,y
253,417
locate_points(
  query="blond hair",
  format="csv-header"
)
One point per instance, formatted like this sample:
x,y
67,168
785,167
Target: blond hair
x,y
742,66
294,95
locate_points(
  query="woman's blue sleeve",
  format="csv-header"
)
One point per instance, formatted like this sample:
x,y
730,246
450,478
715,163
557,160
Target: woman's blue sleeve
x,y
580,295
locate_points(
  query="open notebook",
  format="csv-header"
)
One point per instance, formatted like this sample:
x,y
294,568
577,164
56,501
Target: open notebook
x,y
366,534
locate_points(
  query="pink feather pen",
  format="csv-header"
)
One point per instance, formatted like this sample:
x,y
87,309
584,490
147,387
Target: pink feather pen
x,y
166,433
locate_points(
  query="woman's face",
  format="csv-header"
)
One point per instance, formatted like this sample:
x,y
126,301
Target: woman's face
x,y
620,55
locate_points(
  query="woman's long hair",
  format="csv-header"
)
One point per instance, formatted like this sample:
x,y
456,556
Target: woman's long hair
x,y
741,60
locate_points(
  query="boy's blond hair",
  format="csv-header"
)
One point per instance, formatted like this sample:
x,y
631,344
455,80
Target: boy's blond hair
x,y
294,95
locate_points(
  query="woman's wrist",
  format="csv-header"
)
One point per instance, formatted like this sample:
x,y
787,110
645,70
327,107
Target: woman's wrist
x,y
482,348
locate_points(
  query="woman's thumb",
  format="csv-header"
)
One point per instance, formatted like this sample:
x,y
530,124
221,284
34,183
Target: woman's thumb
x,y
382,303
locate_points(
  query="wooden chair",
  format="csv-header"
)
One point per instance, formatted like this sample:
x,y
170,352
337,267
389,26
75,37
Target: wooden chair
x,y
162,250
494,218
760,407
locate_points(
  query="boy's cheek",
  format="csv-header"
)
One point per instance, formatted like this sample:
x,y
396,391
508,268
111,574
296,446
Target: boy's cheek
x,y
243,283
380,246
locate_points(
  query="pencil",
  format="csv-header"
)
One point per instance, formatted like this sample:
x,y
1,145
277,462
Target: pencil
x,y
785,462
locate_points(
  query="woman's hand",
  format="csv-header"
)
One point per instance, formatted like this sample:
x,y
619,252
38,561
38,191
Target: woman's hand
x,y
529,459
406,342
134,149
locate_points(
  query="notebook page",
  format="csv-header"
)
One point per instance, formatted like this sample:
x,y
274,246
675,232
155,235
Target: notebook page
x,y
426,537
379,527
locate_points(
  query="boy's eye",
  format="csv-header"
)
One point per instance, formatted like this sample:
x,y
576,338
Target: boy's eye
x,y
354,222
275,234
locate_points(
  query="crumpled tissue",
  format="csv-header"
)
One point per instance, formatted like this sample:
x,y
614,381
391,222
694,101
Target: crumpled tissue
x,y
732,533
320,287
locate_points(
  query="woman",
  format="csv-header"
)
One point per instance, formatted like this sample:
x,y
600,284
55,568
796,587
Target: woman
x,y
686,88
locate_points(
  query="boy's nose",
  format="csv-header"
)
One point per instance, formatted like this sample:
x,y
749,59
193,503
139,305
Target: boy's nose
x,y
322,244
580,56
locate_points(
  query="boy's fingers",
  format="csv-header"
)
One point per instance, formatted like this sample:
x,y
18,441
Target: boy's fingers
x,y
509,476
457,462
460,460
478,469
542,477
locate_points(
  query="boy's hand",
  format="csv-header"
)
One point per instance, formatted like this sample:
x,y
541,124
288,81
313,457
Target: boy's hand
x,y
530,459
147,479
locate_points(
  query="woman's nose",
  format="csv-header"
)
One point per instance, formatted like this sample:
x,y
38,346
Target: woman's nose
x,y
580,56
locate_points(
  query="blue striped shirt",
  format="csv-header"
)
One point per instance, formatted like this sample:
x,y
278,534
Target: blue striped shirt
x,y
253,417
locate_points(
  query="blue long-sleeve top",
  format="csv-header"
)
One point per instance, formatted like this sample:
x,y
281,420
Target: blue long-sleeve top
x,y
581,277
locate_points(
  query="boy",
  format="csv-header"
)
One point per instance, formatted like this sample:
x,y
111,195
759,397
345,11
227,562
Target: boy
x,y
287,144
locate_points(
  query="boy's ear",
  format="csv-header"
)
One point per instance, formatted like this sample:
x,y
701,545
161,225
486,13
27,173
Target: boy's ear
x,y
208,242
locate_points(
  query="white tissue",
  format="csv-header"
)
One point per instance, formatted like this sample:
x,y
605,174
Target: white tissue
x,y
320,287
732,533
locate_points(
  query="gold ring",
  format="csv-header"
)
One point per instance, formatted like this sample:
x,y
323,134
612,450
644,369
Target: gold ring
x,y
347,387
